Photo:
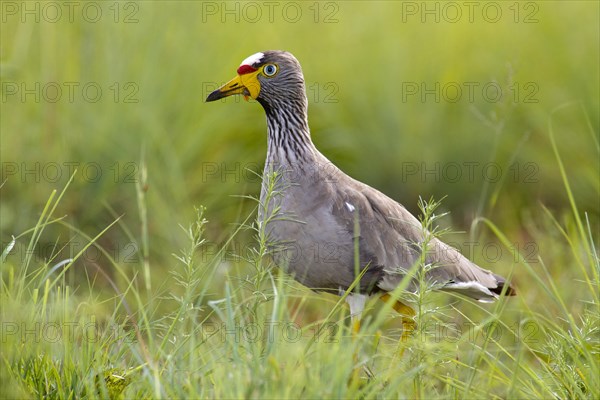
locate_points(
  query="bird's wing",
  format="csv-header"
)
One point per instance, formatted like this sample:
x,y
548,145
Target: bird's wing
x,y
391,238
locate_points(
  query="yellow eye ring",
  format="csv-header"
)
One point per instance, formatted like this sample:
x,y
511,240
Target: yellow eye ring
x,y
270,70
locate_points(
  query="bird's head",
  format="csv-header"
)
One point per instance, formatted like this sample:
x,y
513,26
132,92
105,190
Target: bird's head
x,y
271,77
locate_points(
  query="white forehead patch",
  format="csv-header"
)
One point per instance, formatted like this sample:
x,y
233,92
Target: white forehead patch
x,y
253,59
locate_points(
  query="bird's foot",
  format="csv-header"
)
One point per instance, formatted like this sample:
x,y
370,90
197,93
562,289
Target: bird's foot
x,y
408,322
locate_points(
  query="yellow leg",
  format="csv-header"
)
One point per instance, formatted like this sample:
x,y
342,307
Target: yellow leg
x,y
407,313
355,377
355,326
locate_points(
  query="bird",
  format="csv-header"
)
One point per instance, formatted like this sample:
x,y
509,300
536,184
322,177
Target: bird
x,y
331,232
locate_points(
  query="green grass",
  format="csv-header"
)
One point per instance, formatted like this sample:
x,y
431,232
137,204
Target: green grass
x,y
183,340
104,294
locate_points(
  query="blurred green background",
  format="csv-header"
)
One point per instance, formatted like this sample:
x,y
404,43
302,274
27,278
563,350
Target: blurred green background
x,y
403,96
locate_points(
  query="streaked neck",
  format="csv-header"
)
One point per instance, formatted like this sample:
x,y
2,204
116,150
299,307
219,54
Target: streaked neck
x,y
289,141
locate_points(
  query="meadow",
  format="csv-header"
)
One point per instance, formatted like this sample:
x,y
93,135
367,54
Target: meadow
x,y
131,262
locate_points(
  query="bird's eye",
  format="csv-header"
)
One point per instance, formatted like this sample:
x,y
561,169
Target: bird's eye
x,y
270,69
